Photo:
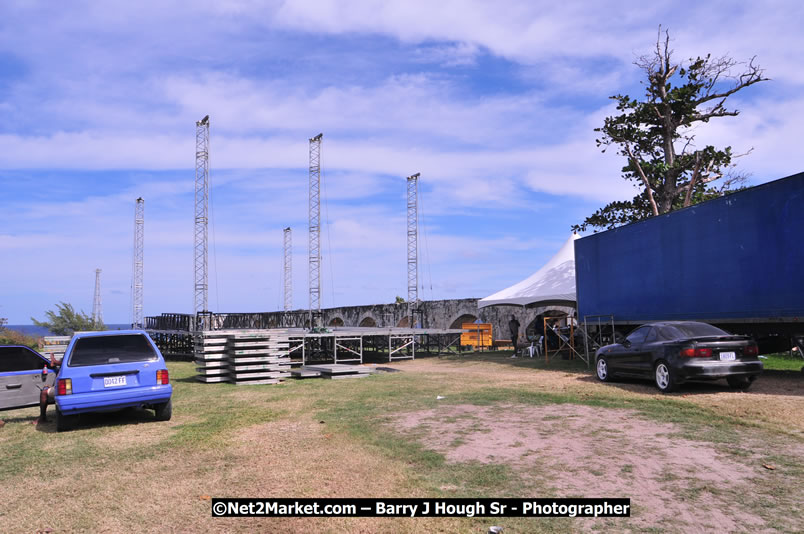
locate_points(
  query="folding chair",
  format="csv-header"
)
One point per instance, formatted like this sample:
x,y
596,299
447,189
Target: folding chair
x,y
536,347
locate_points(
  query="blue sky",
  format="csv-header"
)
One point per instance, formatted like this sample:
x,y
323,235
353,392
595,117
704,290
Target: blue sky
x,y
494,103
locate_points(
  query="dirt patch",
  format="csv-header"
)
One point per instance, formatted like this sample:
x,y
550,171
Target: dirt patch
x,y
775,399
142,435
582,451
170,491
301,458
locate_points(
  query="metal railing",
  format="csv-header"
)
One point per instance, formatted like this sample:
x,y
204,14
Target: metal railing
x,y
602,333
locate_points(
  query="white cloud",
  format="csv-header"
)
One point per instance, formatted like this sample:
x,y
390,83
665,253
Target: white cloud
x,y
515,30
459,54
771,127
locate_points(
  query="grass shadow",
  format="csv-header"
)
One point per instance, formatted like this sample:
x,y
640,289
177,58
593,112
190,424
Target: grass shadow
x,y
783,383
186,380
87,421
554,363
20,419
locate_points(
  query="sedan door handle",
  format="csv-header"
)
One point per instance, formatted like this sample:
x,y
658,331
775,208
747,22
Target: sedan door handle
x,y
13,386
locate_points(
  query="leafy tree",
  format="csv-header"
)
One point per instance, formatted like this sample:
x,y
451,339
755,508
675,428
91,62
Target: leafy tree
x,y
67,321
12,337
657,135
399,300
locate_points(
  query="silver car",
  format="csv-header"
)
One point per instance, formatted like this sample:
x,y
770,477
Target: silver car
x,y
23,374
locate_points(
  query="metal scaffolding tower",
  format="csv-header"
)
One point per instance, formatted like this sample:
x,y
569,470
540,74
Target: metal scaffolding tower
x,y
314,250
201,210
97,312
288,273
136,277
413,248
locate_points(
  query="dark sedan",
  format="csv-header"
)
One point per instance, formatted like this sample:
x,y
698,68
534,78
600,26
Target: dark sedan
x,y
675,351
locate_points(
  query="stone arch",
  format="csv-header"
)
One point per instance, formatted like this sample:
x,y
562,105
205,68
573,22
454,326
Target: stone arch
x,y
465,318
535,327
404,322
336,321
368,322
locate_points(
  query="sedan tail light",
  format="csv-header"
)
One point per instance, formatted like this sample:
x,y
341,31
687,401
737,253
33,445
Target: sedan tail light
x,y
751,350
162,377
65,386
697,352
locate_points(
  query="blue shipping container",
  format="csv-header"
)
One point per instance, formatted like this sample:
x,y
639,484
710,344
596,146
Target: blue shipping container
x,y
736,258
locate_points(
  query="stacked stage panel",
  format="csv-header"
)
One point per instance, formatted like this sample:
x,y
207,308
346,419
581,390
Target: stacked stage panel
x,y
258,357
210,356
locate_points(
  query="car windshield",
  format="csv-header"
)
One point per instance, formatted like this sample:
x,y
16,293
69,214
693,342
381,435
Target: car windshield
x,y
102,350
694,330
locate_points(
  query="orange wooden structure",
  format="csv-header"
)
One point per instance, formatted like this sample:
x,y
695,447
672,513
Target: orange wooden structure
x,y
478,335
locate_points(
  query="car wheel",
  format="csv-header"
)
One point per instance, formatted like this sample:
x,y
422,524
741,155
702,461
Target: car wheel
x,y
64,422
663,376
740,382
164,411
602,368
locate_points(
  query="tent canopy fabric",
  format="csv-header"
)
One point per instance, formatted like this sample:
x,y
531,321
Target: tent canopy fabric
x,y
553,284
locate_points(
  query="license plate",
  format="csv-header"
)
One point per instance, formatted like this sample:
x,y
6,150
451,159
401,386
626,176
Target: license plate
x,y
114,381
728,356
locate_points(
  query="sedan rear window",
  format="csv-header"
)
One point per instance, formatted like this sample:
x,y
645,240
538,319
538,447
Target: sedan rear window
x,y
694,330
102,350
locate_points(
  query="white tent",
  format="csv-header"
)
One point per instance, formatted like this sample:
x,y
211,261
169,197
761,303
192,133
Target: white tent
x,y
553,284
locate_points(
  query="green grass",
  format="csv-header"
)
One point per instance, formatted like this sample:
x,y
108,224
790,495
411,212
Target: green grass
x,y
552,362
208,417
783,361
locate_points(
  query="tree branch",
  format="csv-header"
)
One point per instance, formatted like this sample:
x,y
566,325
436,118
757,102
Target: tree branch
x,y
732,179
710,176
715,113
691,185
754,75
645,181
689,140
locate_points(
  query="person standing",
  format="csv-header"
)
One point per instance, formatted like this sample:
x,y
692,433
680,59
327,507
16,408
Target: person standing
x,y
513,324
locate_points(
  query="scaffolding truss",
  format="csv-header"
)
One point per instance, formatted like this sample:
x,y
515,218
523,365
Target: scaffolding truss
x,y
201,287
97,309
137,268
402,342
566,341
312,346
287,277
174,334
314,248
598,331
413,248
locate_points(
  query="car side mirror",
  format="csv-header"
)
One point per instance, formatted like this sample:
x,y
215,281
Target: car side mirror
x,y
626,344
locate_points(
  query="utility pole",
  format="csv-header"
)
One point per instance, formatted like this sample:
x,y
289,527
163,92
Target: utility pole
x,y
288,273
413,248
136,278
97,312
314,249
201,211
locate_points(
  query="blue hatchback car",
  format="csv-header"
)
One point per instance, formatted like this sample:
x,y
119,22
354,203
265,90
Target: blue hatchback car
x,y
109,371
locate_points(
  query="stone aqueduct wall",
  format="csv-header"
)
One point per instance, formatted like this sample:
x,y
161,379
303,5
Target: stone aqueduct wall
x,y
438,314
